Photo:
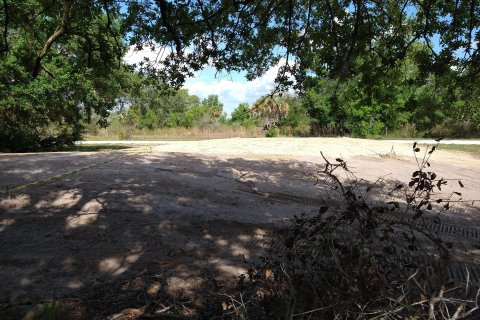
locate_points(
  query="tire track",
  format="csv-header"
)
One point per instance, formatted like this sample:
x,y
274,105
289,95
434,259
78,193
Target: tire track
x,y
441,227
457,272
8,191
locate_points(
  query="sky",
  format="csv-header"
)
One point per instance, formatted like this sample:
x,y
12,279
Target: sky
x,y
232,89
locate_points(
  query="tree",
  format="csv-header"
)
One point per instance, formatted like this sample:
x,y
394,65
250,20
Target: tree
x,y
59,63
241,113
269,111
320,101
155,106
214,106
297,122
128,119
374,101
324,38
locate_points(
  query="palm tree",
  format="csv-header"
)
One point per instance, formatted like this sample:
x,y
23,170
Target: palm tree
x,y
269,111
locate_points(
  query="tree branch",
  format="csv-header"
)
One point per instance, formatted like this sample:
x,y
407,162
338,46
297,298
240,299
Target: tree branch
x,y
57,34
471,25
48,72
165,17
112,31
209,25
5,30
358,14
332,23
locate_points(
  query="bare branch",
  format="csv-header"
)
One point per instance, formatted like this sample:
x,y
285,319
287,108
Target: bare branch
x,y
5,26
54,37
112,31
165,20
48,72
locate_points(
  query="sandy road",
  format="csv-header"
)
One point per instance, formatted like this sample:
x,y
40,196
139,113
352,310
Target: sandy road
x,y
169,222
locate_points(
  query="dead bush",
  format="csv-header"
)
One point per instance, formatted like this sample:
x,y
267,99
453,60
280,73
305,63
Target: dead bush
x,y
362,256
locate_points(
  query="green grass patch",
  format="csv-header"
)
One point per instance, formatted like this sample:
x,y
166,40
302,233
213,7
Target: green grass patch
x,y
470,148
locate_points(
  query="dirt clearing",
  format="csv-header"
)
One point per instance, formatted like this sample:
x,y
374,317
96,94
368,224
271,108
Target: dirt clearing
x,y
158,226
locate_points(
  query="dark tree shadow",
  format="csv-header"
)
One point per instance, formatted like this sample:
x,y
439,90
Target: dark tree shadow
x,y
147,235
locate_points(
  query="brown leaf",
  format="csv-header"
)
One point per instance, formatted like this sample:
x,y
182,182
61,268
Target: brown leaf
x,y
422,298
260,293
225,306
268,273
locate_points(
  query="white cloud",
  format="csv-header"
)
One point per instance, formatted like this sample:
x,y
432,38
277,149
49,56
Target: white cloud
x,y
151,52
232,93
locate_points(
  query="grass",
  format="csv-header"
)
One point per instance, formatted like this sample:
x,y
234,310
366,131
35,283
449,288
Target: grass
x,y
54,311
471,148
179,133
100,147
147,137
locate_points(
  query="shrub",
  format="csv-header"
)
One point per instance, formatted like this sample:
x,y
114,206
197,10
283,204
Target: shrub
x,y
49,137
272,133
361,257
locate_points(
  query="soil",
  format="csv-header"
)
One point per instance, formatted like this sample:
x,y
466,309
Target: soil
x,y
148,231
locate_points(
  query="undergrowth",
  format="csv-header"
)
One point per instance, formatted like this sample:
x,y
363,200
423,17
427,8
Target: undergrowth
x,y
364,256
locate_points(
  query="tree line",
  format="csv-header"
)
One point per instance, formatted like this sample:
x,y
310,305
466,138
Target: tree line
x,y
402,102
359,68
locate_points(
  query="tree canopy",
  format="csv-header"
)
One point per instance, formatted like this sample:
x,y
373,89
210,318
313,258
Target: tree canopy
x,y
319,37
59,63
324,38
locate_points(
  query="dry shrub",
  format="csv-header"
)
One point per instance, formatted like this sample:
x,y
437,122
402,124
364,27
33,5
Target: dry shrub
x,y
181,133
454,128
361,258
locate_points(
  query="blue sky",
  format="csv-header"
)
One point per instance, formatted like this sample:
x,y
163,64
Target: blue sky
x,y
232,88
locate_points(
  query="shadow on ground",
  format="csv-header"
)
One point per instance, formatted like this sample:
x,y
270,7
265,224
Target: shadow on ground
x,y
141,235
144,232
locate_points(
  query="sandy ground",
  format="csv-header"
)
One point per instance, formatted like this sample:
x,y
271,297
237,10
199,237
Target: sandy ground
x,y
178,218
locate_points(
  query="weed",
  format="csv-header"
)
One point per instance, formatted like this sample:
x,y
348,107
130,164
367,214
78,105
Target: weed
x,y
365,257
272,132
55,310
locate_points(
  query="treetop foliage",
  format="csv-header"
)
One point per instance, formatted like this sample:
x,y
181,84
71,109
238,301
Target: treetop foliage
x,y
59,63
324,38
